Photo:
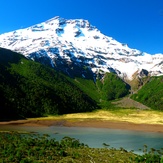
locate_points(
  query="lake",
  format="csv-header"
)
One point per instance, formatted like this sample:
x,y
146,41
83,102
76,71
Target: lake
x,y
95,137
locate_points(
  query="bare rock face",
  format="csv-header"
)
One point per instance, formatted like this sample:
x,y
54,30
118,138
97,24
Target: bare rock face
x,y
143,73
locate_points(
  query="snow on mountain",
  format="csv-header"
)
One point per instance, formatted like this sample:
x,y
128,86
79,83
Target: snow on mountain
x,y
76,45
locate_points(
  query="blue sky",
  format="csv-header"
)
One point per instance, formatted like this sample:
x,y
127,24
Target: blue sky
x,y
139,23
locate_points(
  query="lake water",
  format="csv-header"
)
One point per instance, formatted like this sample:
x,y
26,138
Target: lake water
x,y
95,137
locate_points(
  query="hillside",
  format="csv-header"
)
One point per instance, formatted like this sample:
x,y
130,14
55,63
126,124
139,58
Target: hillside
x,y
151,94
30,89
110,87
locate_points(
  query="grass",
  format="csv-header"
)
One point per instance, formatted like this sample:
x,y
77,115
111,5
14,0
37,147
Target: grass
x,y
126,115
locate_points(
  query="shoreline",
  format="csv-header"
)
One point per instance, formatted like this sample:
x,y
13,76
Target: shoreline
x,y
95,123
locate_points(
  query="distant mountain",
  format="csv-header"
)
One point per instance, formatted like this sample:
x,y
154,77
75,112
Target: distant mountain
x,y
79,49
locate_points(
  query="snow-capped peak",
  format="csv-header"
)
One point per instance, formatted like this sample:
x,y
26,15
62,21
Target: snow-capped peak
x,y
66,43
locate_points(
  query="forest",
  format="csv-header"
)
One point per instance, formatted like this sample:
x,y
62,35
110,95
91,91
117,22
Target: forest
x,y
30,89
151,94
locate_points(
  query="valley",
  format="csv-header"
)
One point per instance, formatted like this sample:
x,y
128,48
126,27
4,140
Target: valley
x,y
30,89
66,73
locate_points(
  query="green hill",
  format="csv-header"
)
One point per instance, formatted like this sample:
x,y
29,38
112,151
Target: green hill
x,y
112,87
151,94
29,89
104,90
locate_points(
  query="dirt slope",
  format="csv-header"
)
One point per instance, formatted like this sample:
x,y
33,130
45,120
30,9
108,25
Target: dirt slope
x,y
129,103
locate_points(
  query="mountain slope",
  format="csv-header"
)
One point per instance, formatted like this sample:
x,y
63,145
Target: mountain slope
x,y
30,89
151,94
80,50
110,87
